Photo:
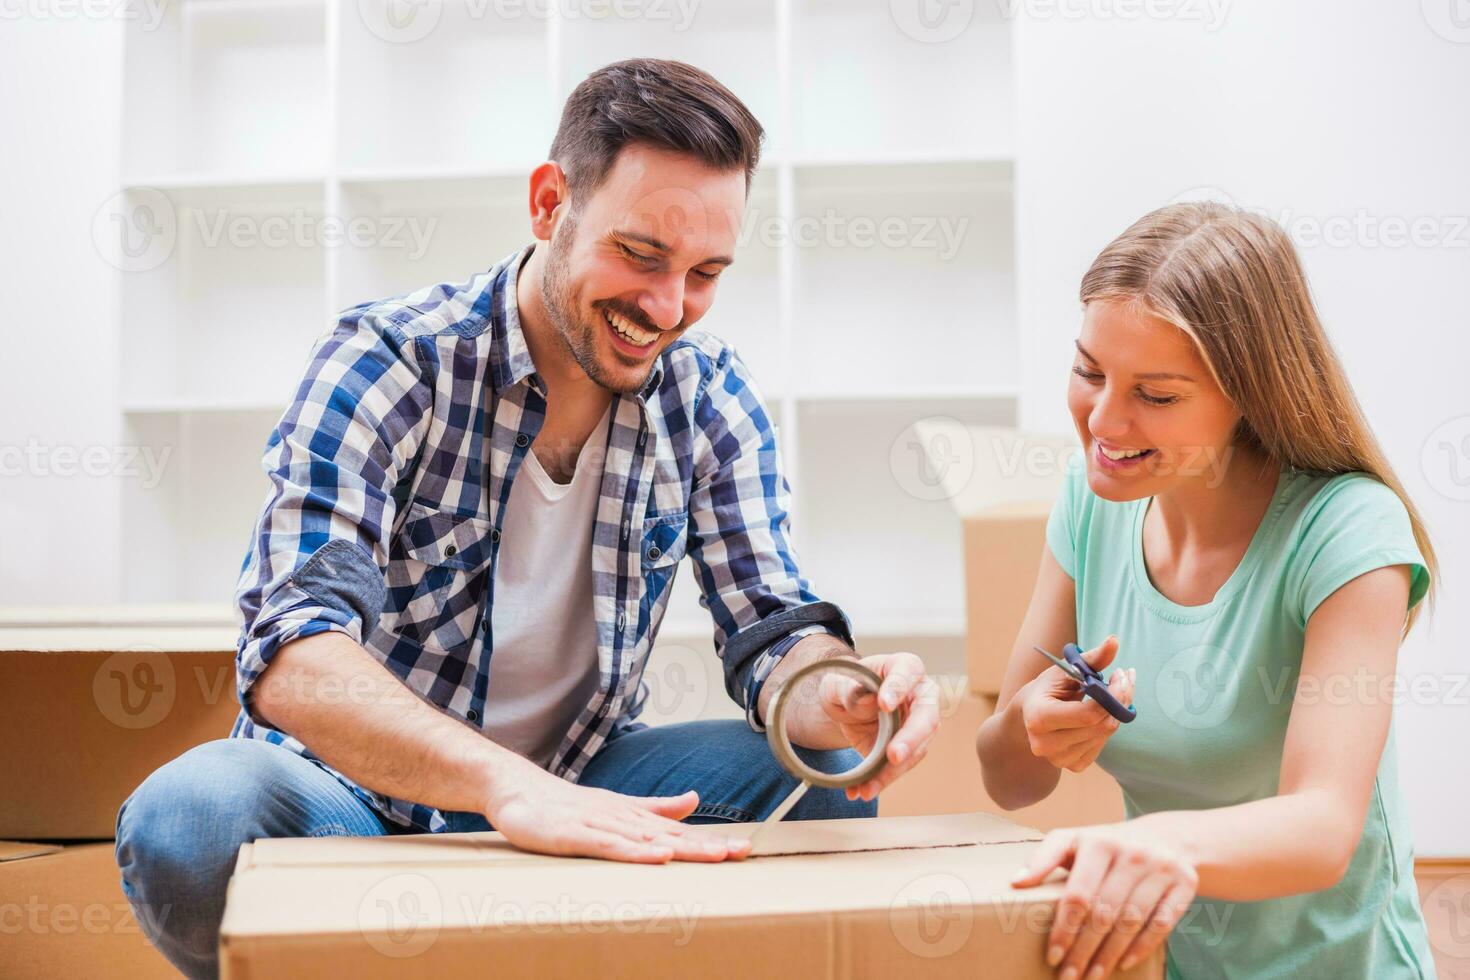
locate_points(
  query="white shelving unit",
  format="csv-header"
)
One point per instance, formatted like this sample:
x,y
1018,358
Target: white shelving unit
x,y
875,285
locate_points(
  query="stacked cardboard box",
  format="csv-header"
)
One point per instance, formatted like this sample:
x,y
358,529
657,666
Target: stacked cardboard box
x,y
89,713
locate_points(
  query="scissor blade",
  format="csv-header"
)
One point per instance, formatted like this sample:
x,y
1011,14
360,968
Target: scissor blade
x,y
1067,668
779,814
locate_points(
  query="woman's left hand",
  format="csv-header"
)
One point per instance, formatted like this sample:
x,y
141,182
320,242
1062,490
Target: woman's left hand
x,y
1126,891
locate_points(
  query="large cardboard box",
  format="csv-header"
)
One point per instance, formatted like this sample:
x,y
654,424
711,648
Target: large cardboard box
x,y
63,914
891,896
1001,483
948,780
1003,546
90,712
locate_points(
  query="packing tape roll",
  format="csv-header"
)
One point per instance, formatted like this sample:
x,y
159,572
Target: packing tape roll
x,y
780,742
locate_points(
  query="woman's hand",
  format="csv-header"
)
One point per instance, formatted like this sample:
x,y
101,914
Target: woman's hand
x,y
1126,891
1064,728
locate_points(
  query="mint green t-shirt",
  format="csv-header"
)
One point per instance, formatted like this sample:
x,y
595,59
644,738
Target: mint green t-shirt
x,y
1214,692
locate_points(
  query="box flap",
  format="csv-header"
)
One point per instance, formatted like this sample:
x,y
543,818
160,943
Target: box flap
x,y
13,850
476,898
788,837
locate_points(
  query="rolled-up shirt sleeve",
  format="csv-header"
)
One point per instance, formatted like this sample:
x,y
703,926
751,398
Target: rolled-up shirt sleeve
x,y
320,543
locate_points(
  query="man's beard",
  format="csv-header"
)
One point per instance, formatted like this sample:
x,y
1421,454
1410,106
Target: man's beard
x,y
577,336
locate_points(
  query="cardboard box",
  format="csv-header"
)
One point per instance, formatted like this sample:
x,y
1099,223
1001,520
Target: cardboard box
x,y
890,896
90,712
63,914
1003,546
948,780
1001,483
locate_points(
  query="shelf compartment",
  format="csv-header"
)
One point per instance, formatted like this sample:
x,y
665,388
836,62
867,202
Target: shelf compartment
x,y
230,312
208,81
863,85
457,83
905,278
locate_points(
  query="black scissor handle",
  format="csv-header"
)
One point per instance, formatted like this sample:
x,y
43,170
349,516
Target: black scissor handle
x,y
1093,686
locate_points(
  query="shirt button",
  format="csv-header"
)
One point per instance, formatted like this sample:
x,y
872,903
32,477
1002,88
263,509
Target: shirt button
x,y
622,621
522,440
625,529
485,626
450,551
653,553
495,535
472,715
642,438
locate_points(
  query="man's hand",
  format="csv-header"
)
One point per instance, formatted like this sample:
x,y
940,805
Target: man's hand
x,y
549,815
854,709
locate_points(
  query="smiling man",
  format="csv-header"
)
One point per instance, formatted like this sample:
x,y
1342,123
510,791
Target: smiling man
x,y
478,502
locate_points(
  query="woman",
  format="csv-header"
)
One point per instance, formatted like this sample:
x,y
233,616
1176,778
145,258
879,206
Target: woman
x,y
1235,539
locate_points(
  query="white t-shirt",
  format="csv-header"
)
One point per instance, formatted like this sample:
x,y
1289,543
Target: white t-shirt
x,y
543,667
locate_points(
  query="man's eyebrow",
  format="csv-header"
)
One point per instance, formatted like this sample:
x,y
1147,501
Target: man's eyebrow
x,y
1150,376
658,246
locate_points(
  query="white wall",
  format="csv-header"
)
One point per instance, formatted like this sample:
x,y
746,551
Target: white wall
x,y
1344,114
59,122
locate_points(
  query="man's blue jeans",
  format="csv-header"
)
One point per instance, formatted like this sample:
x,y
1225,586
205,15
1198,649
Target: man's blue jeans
x,y
178,834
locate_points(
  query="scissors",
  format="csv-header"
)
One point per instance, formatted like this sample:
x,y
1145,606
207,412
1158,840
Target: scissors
x,y
1093,684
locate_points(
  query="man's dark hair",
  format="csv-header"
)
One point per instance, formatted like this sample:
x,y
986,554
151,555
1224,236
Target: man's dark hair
x,y
665,104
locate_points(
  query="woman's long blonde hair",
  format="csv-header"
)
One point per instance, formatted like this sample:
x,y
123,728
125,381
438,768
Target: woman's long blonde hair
x,y
1232,282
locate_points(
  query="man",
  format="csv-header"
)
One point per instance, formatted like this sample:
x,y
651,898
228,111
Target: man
x,y
478,501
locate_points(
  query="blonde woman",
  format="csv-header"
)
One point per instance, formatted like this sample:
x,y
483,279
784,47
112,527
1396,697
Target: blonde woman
x,y
1235,546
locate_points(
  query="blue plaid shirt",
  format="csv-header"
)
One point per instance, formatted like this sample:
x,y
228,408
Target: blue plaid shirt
x,y
389,478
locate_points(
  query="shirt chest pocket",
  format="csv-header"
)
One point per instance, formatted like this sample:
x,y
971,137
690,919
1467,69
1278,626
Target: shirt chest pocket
x,y
438,577
664,542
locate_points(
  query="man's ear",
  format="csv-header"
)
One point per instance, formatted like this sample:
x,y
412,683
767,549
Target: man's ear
x,y
549,199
